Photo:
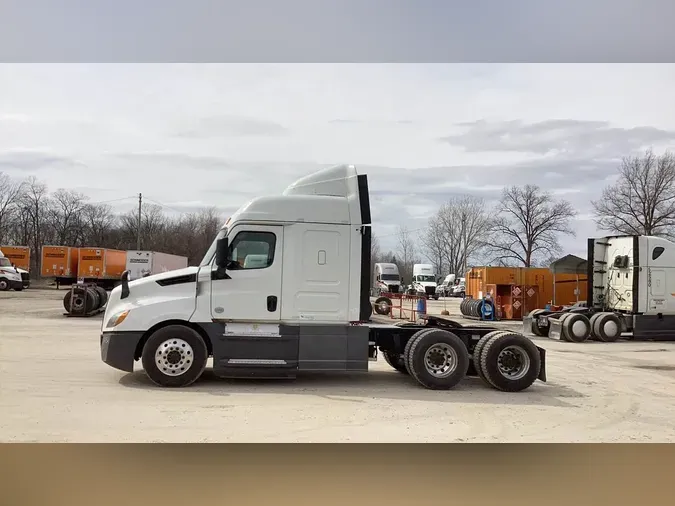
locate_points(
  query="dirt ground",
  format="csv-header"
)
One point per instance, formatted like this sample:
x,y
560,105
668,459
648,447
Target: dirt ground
x,y
55,388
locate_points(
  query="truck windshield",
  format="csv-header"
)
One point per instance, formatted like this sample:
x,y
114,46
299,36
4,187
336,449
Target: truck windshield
x,y
389,277
208,257
424,278
4,262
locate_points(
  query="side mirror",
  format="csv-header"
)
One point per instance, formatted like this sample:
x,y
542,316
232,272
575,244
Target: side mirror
x,y
222,248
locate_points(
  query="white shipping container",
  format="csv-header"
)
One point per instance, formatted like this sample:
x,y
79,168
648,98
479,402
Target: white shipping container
x,y
146,263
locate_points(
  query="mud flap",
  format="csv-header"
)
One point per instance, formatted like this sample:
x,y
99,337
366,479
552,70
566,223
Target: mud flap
x,y
542,371
527,326
555,330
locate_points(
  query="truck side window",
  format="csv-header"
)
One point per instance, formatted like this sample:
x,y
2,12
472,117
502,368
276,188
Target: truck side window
x,y
657,252
252,250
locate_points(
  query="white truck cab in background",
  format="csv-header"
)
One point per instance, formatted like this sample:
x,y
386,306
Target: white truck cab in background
x,y
10,276
386,278
424,280
445,288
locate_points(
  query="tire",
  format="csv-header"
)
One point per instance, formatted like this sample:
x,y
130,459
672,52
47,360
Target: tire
x,y
462,295
435,346
535,322
395,360
502,347
79,304
563,332
592,321
608,328
477,350
383,305
93,300
435,297
184,344
577,328
103,295
408,346
4,285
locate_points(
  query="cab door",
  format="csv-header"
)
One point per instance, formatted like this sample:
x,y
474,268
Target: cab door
x,y
250,290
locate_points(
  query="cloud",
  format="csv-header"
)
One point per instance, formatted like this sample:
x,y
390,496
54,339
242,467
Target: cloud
x,y
231,126
28,160
559,137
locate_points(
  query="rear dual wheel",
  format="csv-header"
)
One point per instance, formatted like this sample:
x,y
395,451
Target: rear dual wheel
x,y
437,359
507,361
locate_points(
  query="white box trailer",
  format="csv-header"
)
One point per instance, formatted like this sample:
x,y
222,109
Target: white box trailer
x,y
146,263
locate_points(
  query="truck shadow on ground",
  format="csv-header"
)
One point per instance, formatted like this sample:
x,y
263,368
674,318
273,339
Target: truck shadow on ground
x,y
367,386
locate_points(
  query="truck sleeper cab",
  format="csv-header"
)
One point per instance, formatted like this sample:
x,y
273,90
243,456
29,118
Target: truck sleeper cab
x,y
283,289
631,289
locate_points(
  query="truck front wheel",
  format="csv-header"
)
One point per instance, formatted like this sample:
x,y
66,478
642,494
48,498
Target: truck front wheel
x,y
174,356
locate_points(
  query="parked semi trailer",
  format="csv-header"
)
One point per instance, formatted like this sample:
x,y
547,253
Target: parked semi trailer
x,y
306,308
100,266
20,258
631,291
145,263
59,263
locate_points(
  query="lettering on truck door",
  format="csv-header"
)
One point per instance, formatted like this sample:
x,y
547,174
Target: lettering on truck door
x,y
251,290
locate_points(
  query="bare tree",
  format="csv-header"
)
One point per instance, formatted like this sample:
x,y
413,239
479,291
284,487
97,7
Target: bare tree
x,y
527,223
35,204
433,244
66,211
642,202
406,251
10,195
456,233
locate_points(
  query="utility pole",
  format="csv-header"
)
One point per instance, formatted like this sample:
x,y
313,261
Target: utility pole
x,y
140,205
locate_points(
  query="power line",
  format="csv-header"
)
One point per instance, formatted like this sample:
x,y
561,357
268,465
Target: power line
x,y
164,205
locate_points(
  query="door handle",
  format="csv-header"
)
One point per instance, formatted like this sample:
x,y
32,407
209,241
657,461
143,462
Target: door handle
x,y
271,303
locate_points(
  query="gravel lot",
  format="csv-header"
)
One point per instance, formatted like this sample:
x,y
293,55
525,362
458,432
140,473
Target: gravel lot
x,y
54,388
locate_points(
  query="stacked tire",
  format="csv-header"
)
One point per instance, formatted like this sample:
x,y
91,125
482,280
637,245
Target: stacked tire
x,y
438,360
473,307
84,300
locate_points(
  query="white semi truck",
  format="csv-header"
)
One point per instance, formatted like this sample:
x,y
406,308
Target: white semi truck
x,y
424,280
145,263
630,290
386,279
305,308
10,276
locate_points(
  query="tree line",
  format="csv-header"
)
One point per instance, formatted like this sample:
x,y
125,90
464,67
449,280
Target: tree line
x,y
31,215
523,229
526,226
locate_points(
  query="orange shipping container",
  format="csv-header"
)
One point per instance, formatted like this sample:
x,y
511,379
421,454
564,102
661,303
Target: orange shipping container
x,y
58,262
101,263
18,255
477,279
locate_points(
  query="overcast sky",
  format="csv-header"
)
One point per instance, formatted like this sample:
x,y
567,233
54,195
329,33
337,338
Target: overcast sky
x,y
197,135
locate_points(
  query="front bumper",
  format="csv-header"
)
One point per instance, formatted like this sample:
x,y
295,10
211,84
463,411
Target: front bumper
x,y
118,349
15,285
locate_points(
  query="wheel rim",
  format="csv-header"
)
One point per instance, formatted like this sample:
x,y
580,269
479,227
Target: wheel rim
x,y
384,306
78,303
3,285
174,357
611,328
513,362
579,328
440,360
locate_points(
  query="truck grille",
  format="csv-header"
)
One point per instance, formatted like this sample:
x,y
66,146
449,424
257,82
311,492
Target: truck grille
x,y
393,288
25,277
430,290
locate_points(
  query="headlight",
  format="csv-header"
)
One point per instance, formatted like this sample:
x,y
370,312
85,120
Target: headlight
x,y
117,318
